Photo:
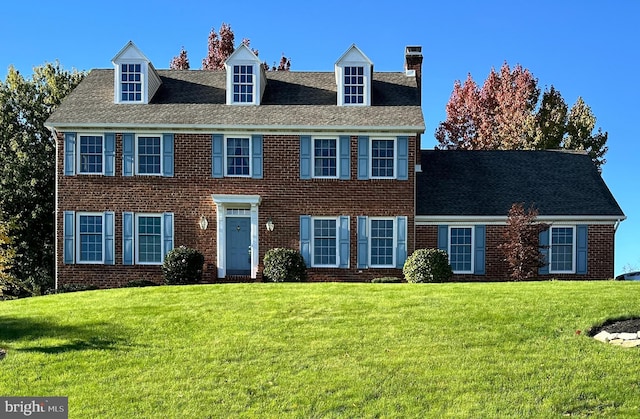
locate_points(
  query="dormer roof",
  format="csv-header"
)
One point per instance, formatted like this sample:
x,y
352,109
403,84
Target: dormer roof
x,y
136,80
354,75
246,79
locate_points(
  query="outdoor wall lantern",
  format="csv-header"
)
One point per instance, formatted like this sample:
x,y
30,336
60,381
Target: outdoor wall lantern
x,y
203,222
270,225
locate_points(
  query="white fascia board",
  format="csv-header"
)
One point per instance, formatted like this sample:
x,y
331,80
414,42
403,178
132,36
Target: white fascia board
x,y
502,220
297,129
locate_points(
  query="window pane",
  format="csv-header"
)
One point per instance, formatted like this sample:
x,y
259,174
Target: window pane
x,y
324,242
90,154
562,249
325,160
460,251
382,158
149,155
382,242
243,83
353,85
149,239
238,156
90,227
131,81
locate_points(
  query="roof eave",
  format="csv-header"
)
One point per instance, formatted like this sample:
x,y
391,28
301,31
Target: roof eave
x,y
501,220
61,127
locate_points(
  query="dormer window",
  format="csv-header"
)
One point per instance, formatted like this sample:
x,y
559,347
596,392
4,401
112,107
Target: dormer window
x,y
246,79
243,84
135,79
131,82
354,73
354,85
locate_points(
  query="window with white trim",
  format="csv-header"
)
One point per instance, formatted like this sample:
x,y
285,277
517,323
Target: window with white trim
x,y
149,239
148,155
325,157
130,82
562,249
324,251
383,161
238,156
90,154
353,85
243,84
90,238
382,242
461,249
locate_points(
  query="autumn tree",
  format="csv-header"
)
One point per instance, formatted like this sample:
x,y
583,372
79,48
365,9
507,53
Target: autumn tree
x,y
219,48
520,244
180,62
508,113
27,170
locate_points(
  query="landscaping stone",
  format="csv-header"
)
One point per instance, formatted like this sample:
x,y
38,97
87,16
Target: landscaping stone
x,y
603,336
631,343
616,341
628,336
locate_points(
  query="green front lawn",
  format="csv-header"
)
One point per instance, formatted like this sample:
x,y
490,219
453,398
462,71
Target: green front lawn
x,y
325,350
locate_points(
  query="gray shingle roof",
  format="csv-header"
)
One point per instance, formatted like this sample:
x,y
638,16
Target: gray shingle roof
x,y
197,98
487,183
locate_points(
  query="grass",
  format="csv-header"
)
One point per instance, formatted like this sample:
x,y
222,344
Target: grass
x,y
325,350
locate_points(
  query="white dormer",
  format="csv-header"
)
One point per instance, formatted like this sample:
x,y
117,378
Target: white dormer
x,y
135,81
246,80
354,72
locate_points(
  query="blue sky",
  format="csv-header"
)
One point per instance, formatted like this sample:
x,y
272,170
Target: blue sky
x,y
582,47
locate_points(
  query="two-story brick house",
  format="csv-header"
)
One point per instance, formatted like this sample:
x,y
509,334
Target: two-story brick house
x,y
235,162
238,161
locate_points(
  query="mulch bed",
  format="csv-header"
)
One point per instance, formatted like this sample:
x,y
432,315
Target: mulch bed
x,y
618,326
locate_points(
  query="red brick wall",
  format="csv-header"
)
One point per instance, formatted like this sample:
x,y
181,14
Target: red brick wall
x,y
189,195
600,248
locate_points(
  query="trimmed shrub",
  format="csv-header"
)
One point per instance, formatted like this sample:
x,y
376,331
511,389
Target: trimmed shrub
x,y
386,280
284,265
71,288
136,283
182,265
427,265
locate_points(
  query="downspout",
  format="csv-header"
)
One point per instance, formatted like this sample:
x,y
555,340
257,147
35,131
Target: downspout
x,y
55,212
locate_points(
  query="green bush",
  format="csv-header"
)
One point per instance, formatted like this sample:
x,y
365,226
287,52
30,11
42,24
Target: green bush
x,y
427,265
182,265
284,265
64,288
140,283
386,280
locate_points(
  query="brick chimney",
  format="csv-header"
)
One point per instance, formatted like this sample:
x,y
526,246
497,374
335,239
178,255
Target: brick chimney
x,y
413,63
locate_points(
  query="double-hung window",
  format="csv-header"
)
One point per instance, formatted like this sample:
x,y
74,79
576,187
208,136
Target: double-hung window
x,y
354,85
382,238
562,250
149,155
383,161
243,84
90,155
131,82
238,156
149,239
325,242
461,249
325,157
90,239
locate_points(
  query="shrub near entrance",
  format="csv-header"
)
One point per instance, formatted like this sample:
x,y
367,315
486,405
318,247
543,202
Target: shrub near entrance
x,y
284,265
427,265
182,265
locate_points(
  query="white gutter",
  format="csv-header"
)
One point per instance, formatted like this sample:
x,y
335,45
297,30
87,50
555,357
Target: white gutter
x,y
501,220
299,129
